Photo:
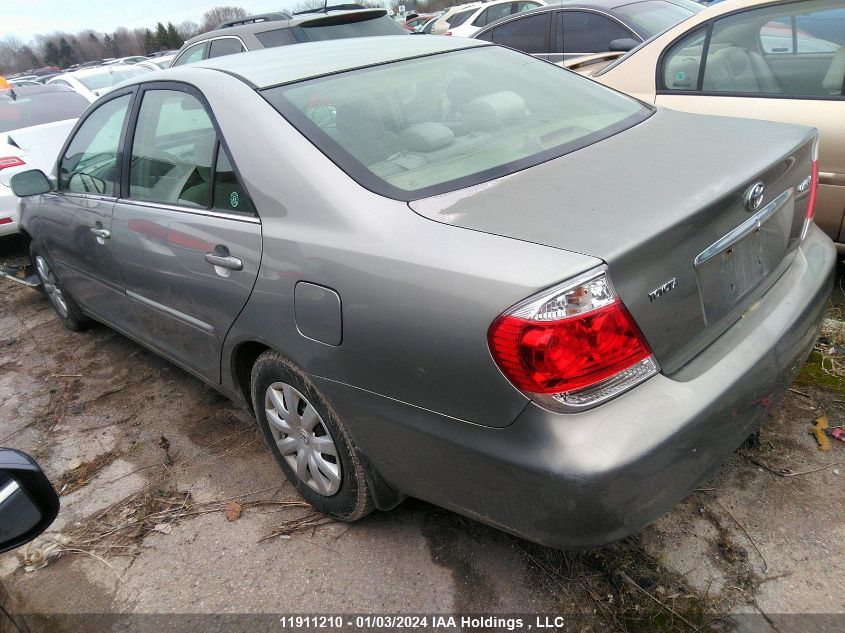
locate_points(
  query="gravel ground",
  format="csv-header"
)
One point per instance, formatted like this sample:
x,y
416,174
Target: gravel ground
x,y
149,461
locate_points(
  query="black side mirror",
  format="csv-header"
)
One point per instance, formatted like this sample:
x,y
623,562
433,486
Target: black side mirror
x,y
623,44
28,502
30,183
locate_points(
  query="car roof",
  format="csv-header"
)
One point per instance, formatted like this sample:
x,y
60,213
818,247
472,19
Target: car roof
x,y
271,25
287,64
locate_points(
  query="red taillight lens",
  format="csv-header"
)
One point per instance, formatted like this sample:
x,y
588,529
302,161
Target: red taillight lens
x,y
11,161
448,33
568,354
5,220
576,343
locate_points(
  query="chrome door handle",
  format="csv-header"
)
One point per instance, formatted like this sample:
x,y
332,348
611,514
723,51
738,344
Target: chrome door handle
x,y
102,233
232,263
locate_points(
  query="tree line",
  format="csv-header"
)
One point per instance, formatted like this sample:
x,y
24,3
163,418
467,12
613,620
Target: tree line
x,y
66,49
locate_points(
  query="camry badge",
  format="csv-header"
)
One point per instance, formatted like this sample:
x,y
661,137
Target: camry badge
x,y
655,294
754,196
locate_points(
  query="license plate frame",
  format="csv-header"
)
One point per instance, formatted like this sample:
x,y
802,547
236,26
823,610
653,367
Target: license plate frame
x,y
728,270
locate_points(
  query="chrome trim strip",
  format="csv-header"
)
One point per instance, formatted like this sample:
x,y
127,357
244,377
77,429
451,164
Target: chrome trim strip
x,y
200,325
84,196
8,490
206,212
744,229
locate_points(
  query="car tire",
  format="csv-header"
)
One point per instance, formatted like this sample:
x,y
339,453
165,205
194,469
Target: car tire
x,y
306,437
65,307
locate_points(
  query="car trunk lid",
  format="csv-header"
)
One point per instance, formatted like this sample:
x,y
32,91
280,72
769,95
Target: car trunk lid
x,y
665,205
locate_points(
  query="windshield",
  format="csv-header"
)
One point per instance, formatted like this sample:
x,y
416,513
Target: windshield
x,y
37,109
111,78
655,16
427,125
349,25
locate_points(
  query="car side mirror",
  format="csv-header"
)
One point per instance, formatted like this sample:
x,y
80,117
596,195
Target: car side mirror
x,y
28,502
30,183
623,44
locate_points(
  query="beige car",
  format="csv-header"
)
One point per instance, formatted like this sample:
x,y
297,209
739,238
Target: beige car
x,y
781,61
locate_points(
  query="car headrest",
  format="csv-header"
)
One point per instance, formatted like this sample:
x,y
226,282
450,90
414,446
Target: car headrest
x,y
494,110
425,137
835,78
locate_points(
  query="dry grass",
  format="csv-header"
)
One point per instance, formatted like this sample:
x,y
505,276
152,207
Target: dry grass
x,y
831,343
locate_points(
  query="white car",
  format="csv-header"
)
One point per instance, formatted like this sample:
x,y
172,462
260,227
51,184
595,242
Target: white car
x,y
467,19
34,124
92,83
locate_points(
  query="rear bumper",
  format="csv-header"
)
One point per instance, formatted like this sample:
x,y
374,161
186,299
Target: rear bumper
x,y
587,479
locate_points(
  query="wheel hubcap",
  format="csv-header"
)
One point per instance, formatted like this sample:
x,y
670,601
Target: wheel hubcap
x,y
51,286
302,438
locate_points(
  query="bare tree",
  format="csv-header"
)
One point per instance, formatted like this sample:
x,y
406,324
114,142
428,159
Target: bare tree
x,y
188,29
218,15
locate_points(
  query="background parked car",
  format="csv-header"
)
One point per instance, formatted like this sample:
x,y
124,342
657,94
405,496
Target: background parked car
x,y
281,29
575,29
413,23
464,20
782,61
157,63
92,83
34,124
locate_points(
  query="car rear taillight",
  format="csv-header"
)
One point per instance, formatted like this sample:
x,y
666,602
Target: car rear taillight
x,y
573,346
448,33
11,161
814,189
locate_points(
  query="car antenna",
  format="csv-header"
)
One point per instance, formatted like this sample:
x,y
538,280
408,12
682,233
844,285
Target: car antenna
x,y
325,6
13,94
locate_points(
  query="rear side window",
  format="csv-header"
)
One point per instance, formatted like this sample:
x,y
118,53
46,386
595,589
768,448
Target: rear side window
x,y
90,162
349,25
682,63
228,194
37,109
459,18
192,54
424,126
172,150
276,37
529,34
585,32
225,46
492,14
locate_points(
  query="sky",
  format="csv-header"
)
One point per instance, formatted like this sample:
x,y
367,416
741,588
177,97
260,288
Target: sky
x,y
27,18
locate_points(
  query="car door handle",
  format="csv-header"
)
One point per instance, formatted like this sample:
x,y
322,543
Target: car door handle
x,y
232,263
102,233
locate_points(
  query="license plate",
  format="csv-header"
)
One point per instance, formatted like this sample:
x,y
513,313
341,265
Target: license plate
x,y
731,268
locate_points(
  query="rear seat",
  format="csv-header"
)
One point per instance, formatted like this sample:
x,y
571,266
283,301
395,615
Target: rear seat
x,y
736,69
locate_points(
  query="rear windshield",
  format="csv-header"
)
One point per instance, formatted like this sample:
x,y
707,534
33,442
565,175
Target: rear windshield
x,y
47,107
655,16
109,79
348,25
423,126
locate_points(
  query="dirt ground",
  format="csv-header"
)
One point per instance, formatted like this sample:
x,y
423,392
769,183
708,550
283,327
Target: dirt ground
x,y
172,505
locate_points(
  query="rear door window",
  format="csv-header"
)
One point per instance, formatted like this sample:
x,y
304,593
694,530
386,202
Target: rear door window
x,y
587,32
225,46
276,37
529,34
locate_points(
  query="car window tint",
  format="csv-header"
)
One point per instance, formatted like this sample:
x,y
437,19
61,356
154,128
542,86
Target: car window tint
x,y
276,37
682,62
585,32
776,36
492,14
225,46
229,194
529,34
172,150
655,16
192,54
90,162
459,18
342,26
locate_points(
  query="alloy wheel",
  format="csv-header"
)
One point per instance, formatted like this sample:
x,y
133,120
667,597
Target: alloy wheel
x,y
51,286
303,438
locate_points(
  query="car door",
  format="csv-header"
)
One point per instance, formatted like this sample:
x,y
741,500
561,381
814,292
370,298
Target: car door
x,y
77,216
778,62
581,32
187,240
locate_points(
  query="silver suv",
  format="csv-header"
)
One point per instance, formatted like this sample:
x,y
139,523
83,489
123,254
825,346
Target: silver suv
x,y
280,29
